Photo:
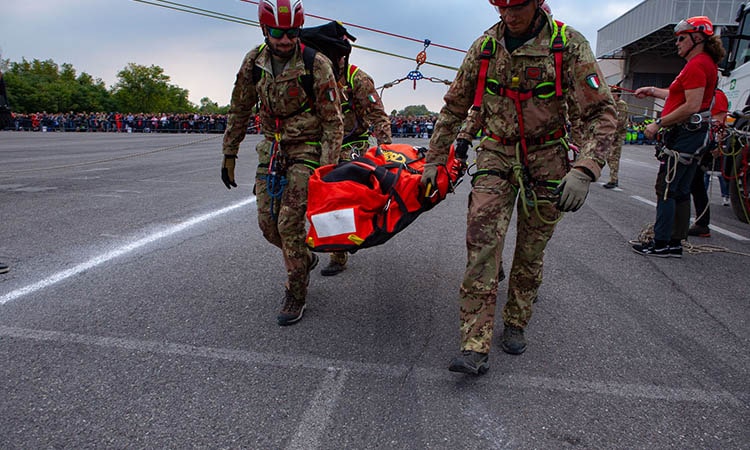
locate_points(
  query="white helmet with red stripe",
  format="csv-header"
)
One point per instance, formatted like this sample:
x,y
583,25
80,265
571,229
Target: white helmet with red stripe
x,y
281,13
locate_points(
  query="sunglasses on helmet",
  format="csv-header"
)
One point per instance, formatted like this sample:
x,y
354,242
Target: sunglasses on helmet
x,y
278,33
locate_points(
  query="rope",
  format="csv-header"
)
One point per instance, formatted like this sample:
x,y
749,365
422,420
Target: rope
x,y
415,75
374,30
741,176
708,248
528,197
118,158
226,17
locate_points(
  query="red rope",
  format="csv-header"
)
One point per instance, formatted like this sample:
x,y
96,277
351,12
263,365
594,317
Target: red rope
x,y
374,30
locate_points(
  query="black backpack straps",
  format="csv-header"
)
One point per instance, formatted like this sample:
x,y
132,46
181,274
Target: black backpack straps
x,y
308,57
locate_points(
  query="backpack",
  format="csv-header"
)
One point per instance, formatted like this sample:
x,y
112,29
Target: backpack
x,y
365,202
329,40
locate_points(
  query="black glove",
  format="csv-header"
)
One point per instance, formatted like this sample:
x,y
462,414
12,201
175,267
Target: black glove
x,y
462,149
227,171
6,118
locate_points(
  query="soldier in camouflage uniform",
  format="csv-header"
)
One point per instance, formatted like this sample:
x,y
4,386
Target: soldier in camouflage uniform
x,y
362,109
613,160
522,154
301,133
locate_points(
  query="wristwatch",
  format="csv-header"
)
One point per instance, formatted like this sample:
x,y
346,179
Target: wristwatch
x,y
658,121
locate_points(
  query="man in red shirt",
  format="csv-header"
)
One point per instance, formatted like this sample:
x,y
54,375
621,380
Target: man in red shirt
x,y
684,124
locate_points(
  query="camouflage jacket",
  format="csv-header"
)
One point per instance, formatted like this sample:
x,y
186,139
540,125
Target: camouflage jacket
x,y
586,98
363,108
284,99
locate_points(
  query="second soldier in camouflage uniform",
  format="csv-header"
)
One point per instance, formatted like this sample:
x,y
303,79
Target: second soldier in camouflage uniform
x,y
300,133
522,64
613,159
363,109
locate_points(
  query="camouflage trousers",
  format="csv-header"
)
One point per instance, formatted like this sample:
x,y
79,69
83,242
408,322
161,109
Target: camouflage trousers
x,y
284,227
491,205
613,161
348,152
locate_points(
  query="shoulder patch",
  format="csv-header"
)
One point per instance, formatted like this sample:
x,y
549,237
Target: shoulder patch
x,y
593,81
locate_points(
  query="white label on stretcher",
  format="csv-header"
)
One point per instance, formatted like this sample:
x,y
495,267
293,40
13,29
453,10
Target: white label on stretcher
x,y
334,223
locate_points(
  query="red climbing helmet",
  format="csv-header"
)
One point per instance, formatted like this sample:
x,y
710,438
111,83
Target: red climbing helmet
x,y
508,3
697,24
283,14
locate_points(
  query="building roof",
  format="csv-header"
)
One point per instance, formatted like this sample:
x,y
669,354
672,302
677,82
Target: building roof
x,y
648,27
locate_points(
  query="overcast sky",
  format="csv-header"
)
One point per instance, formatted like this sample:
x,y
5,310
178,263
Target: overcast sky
x,y
202,55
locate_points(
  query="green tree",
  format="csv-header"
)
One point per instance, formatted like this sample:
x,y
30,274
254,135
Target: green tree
x,y
44,86
208,106
147,89
416,110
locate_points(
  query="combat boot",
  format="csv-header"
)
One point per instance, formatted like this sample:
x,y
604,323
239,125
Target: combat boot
x,y
610,185
292,310
473,363
513,341
336,265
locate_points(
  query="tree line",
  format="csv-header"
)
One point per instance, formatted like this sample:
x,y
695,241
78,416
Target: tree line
x,y
35,86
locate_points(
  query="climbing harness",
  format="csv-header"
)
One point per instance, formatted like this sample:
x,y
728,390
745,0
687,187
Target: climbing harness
x,y
520,169
524,187
276,179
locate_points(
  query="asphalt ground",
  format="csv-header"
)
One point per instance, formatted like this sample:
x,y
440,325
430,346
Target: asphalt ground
x,y
139,312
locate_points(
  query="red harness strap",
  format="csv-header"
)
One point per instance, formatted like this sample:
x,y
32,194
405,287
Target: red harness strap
x,y
488,49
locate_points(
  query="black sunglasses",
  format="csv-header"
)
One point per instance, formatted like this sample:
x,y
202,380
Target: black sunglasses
x,y
278,33
681,38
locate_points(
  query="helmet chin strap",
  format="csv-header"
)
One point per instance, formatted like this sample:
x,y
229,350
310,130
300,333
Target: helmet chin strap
x,y
692,39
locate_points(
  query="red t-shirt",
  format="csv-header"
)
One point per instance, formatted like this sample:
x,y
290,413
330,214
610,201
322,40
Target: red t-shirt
x,y
699,72
721,103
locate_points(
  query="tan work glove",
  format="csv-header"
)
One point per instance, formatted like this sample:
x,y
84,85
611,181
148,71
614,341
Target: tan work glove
x,y
574,188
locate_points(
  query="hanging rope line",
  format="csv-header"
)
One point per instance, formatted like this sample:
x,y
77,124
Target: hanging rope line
x,y
374,30
201,12
229,18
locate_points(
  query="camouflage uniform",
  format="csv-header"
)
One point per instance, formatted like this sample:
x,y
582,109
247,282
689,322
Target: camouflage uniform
x,y
585,100
307,136
613,159
362,108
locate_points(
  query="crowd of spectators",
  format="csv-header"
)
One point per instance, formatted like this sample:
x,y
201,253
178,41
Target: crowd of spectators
x,y
123,123
411,126
401,126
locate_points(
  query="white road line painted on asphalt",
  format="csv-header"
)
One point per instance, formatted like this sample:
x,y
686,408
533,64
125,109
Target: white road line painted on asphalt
x,y
103,258
318,415
634,162
608,388
713,227
641,199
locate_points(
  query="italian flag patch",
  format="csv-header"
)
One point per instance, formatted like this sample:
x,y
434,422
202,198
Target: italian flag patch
x,y
593,81
372,98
